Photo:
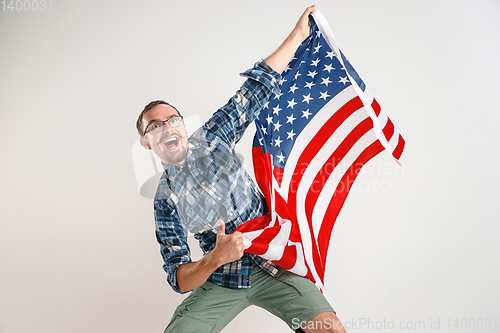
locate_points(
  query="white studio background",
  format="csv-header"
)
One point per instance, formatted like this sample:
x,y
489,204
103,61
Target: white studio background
x,y
414,246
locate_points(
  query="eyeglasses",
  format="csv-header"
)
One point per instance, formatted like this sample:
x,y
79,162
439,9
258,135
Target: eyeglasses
x,y
157,126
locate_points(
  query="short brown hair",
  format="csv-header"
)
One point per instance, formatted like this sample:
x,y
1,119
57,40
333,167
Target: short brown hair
x,y
146,109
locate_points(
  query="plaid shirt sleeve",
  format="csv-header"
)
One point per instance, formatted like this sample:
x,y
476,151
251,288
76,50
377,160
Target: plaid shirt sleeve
x,y
172,237
231,121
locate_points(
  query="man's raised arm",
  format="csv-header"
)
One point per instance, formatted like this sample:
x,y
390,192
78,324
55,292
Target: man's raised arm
x,y
282,56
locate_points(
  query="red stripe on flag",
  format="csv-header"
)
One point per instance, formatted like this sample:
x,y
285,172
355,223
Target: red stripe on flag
x,y
281,206
262,166
278,174
388,130
256,224
258,248
289,258
399,148
376,107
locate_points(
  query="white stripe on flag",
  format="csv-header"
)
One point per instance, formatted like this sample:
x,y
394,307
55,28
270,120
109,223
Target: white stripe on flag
x,y
249,236
300,267
277,244
394,140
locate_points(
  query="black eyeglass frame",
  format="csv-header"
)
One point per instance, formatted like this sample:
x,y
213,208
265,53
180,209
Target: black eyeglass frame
x,y
169,121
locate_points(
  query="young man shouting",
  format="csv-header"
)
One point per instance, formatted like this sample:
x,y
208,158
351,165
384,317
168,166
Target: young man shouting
x,y
206,190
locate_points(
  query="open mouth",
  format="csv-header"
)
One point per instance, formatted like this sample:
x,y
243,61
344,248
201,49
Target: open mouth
x,y
171,143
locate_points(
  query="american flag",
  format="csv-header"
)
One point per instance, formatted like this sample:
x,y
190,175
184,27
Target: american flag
x,y
312,140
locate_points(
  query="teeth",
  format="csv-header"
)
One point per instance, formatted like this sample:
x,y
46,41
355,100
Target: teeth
x,y
172,140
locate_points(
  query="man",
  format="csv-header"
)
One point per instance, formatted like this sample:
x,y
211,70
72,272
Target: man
x,y
205,190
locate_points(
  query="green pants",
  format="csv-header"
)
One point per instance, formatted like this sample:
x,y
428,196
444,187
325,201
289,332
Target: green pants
x,y
209,308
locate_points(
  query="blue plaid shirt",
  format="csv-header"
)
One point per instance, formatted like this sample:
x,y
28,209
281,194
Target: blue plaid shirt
x,y
213,185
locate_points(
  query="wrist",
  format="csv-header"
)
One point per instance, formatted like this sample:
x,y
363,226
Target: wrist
x,y
299,35
295,39
212,260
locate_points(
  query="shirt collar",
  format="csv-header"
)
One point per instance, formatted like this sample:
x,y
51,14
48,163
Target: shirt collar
x,y
173,170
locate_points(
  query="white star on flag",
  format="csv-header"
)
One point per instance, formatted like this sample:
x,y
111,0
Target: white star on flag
x,y
307,98
281,157
324,95
309,85
306,114
290,119
269,120
344,80
277,126
328,68
331,54
291,103
312,74
326,81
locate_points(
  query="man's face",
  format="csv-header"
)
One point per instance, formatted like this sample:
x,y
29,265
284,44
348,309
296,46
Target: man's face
x,y
170,144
